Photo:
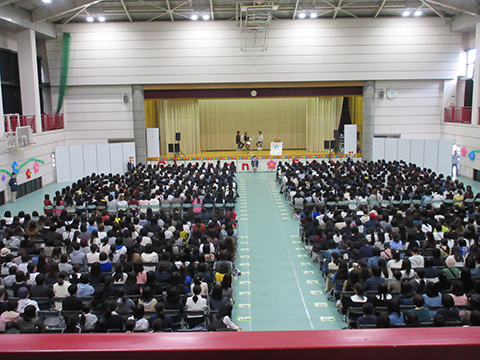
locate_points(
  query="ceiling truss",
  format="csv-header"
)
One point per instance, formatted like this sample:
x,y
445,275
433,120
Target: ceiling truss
x,y
254,16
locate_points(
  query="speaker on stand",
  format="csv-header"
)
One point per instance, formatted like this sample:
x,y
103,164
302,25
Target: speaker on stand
x,y
176,150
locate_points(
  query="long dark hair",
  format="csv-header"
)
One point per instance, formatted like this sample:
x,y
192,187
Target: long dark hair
x,y
112,306
227,281
118,275
225,310
342,272
217,293
196,291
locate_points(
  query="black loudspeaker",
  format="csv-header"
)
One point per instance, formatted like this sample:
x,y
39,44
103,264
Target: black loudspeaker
x,y
358,135
336,134
326,144
170,148
177,147
333,144
178,136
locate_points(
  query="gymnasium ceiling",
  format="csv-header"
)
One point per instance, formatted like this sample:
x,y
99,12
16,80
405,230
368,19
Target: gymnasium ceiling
x,y
65,11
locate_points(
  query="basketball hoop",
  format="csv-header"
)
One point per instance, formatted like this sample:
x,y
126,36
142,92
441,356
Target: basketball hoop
x,y
24,136
16,136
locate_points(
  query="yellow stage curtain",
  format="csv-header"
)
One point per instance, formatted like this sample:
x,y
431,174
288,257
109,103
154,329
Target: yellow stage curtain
x,y
151,120
355,106
323,116
179,116
220,119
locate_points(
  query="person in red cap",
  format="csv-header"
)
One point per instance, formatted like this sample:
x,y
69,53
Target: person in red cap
x,y
372,222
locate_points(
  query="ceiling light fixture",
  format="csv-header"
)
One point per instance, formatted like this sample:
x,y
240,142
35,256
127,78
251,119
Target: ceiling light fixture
x,y
47,1
418,13
313,15
101,18
302,15
406,13
206,17
89,18
194,17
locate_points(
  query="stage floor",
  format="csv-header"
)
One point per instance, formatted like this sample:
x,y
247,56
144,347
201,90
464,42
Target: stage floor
x,y
222,155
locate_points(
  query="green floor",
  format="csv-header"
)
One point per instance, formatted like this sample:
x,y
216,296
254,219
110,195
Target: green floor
x,y
33,201
280,288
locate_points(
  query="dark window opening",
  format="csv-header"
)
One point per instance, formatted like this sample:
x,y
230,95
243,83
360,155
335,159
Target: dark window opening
x,y
476,175
468,93
11,96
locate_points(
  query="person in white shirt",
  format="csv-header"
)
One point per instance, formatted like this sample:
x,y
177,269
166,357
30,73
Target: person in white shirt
x,y
149,256
60,289
141,324
88,320
24,301
259,142
32,274
416,260
196,303
93,256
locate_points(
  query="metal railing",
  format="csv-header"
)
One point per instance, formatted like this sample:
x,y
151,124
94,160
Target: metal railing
x,y
52,122
49,122
458,114
19,120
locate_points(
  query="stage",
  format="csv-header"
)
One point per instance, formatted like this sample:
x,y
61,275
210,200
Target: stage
x,y
243,158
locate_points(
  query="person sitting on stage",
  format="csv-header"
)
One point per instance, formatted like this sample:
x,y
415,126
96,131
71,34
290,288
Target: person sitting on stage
x,y
254,164
259,142
247,140
238,140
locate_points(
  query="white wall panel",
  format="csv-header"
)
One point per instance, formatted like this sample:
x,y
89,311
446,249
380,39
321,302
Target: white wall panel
x,y
98,113
193,52
62,163
128,150
430,155
404,150
378,151
350,139
444,157
76,162
103,159
116,158
391,149
416,152
90,159
153,142
415,113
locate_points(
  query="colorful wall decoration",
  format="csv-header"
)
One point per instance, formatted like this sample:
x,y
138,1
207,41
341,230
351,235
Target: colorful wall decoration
x,y
471,154
16,168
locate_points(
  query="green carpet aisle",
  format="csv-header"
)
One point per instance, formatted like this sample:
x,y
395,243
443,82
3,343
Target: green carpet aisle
x,y
280,288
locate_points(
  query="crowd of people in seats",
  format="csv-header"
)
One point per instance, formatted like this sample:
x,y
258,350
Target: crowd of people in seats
x,y
397,244
140,267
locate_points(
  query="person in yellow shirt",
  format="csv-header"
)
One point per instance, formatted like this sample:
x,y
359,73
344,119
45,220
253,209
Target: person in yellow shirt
x,y
458,198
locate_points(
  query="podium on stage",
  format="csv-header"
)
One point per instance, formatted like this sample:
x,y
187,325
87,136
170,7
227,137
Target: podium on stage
x,y
276,148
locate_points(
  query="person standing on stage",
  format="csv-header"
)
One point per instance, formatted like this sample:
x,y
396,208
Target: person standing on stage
x,y
238,140
13,187
259,142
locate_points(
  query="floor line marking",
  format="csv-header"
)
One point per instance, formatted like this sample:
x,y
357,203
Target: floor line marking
x,y
248,268
293,268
